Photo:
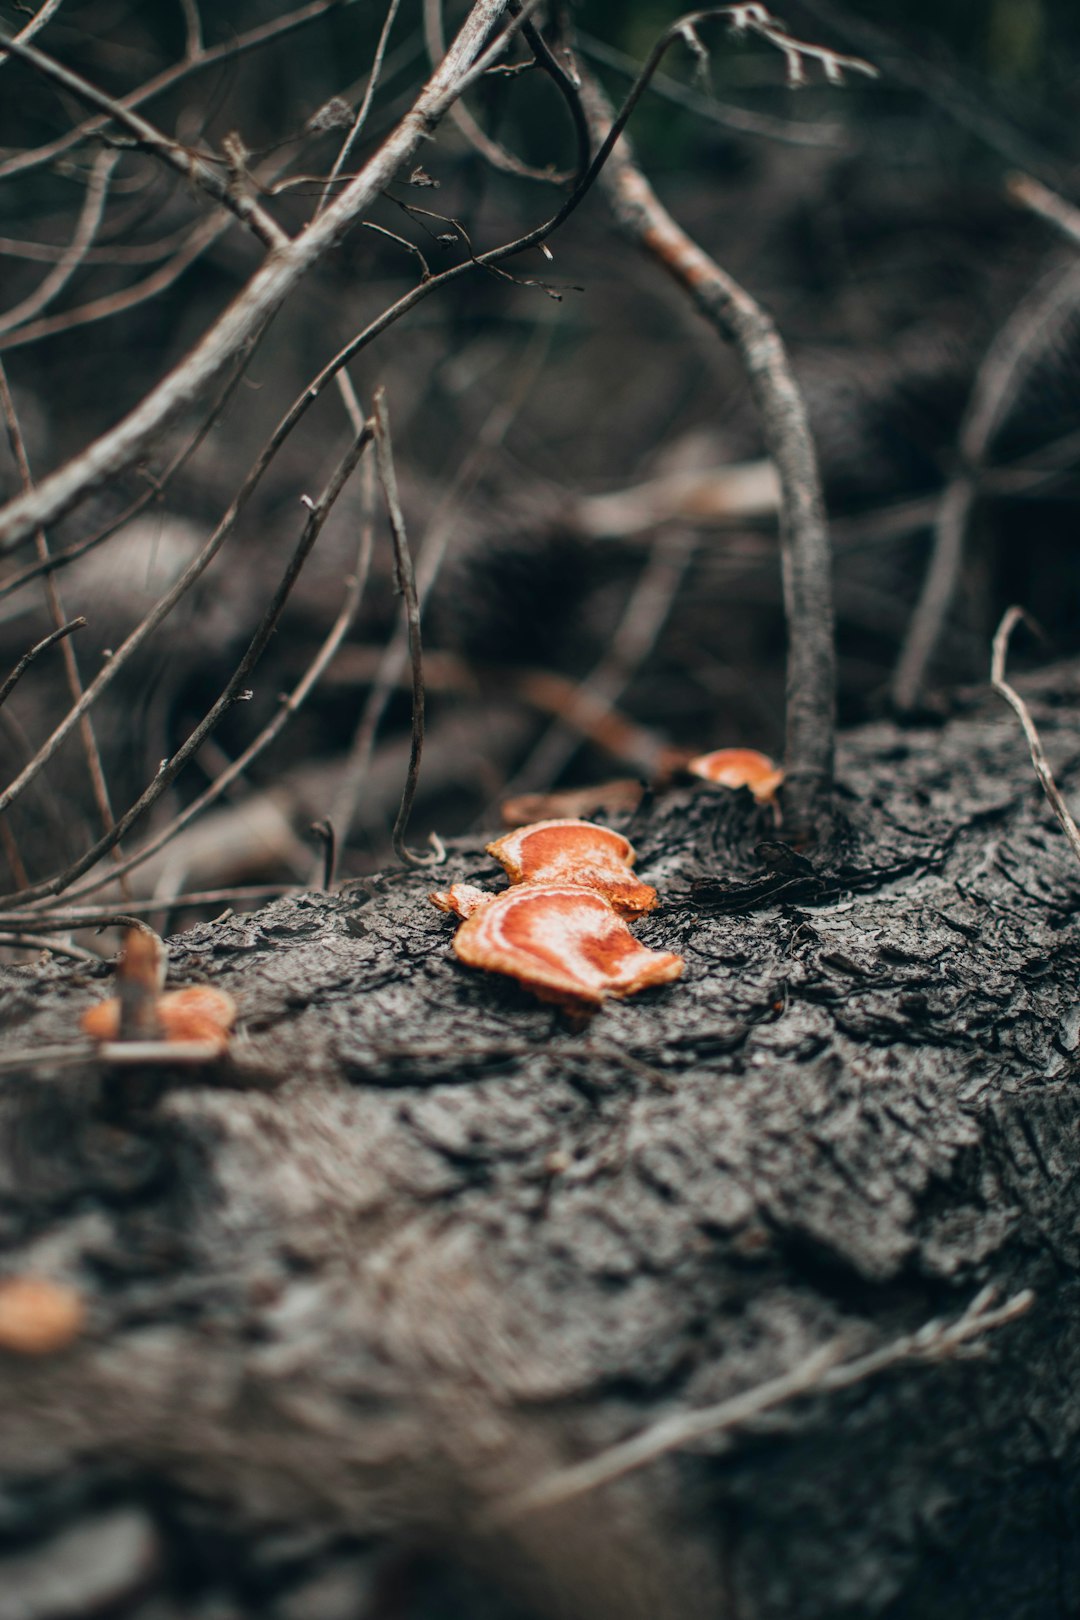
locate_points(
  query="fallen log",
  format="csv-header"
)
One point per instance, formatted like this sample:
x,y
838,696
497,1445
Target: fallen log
x,y
755,1296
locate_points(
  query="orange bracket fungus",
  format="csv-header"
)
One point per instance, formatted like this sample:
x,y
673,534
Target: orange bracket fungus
x,y
38,1317
740,767
558,928
578,853
565,943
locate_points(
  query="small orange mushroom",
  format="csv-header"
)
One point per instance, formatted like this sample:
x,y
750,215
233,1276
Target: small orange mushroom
x,y
578,853
564,942
740,767
461,899
38,1317
197,1013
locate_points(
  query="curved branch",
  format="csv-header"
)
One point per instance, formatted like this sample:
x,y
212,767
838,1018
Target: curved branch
x,y
257,302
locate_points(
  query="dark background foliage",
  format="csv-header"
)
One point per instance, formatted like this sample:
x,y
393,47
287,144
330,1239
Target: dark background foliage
x,y
872,220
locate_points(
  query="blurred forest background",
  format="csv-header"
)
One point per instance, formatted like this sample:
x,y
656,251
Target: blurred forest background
x,y
570,637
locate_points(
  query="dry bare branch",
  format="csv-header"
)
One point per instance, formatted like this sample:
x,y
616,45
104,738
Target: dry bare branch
x,y
92,753
364,108
37,22
16,675
228,50
1065,216
406,584
805,554
179,157
290,704
318,512
823,1372
1015,350
252,308
1038,757
74,254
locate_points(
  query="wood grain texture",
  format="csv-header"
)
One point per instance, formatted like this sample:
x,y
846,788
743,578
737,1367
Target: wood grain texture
x,y
424,1241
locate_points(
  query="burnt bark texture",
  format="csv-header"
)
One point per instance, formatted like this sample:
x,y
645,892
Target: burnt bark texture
x,y
421,1240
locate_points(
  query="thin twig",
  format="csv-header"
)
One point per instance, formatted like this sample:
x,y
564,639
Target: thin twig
x,y
16,675
490,150
179,157
228,50
1065,216
193,43
804,538
1038,758
354,591
430,559
643,618
324,832
406,584
89,222
364,108
318,512
763,125
92,753
109,917
1016,349
260,298
37,23
44,942
196,242
821,1373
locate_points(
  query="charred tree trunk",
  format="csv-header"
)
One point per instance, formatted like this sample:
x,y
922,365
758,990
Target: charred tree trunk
x,y
421,1243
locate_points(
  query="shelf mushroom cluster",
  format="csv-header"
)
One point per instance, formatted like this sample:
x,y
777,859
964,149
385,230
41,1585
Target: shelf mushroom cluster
x,y
561,928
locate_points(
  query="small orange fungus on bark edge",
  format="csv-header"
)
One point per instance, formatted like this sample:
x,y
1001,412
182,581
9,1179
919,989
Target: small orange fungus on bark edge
x,y
38,1317
740,767
197,1013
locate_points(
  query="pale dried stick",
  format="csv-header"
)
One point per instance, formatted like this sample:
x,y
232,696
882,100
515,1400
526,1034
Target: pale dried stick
x,y
806,562
44,942
290,704
179,157
37,22
95,769
318,512
260,298
821,1373
1047,204
1019,707
109,917
1015,350
74,254
193,43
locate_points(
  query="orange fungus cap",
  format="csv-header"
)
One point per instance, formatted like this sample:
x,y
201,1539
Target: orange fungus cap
x,y
198,1013
740,767
578,853
38,1317
565,943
